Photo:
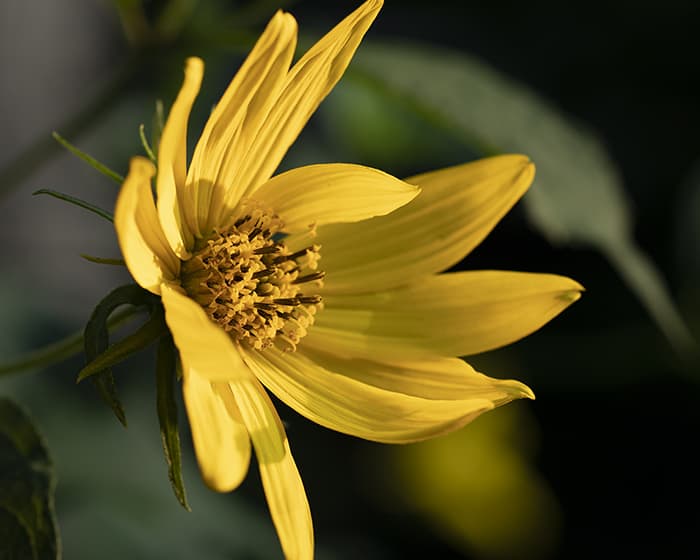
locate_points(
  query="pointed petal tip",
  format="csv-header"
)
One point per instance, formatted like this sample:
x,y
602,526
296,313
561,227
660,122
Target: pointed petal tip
x,y
513,390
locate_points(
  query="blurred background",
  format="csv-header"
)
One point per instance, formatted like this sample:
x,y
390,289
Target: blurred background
x,y
602,95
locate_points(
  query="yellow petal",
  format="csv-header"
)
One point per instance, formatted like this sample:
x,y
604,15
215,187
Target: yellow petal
x,y
144,247
204,346
172,161
284,490
307,83
455,314
333,192
456,209
235,121
331,391
220,438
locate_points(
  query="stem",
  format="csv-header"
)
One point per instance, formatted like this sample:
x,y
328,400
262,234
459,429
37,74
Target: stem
x,y
62,349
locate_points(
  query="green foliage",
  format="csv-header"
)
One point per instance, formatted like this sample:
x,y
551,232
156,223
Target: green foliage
x,y
91,161
167,416
27,521
577,197
96,342
77,202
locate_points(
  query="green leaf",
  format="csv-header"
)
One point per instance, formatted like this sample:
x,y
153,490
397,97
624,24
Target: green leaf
x,y
78,202
28,527
96,340
150,331
167,416
577,197
91,161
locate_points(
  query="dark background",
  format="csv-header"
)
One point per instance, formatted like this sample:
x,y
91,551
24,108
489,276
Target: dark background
x,y
610,439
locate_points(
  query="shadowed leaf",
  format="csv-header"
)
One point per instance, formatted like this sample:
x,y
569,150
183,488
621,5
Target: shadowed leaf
x,y
28,527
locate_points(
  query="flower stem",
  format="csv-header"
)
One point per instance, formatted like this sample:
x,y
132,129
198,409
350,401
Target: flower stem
x,y
62,349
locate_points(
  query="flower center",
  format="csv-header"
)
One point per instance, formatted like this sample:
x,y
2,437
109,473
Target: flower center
x,y
252,285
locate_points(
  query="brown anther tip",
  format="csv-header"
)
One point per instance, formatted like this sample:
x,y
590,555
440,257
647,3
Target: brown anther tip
x,y
287,301
309,277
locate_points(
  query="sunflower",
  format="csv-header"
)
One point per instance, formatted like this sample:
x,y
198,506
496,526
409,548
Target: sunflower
x,y
320,284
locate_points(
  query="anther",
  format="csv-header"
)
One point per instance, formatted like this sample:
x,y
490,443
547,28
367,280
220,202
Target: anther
x,y
267,250
286,301
309,277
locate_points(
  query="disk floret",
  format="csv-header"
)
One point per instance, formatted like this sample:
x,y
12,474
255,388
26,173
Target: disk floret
x,y
252,285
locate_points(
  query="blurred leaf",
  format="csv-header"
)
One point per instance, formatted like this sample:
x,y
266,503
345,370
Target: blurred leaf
x,y
167,417
27,519
477,488
174,17
91,161
77,202
577,197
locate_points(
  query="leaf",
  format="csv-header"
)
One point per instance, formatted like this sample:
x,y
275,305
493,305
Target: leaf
x,y
119,351
28,527
91,161
78,202
577,197
96,340
167,416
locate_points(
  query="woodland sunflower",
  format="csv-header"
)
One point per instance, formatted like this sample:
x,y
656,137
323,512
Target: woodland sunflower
x,y
321,283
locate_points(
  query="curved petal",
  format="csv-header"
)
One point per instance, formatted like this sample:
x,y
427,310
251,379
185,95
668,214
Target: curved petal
x,y
284,490
306,85
331,193
455,211
144,247
331,391
220,438
455,314
172,161
204,346
235,121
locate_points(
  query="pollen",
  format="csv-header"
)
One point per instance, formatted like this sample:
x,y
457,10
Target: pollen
x,y
249,282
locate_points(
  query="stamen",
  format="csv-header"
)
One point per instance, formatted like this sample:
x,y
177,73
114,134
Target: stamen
x,y
248,281
309,277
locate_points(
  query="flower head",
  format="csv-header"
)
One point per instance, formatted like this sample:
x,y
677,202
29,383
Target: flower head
x,y
321,283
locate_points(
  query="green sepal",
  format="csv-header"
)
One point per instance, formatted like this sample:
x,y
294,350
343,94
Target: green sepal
x,y
150,331
158,125
28,527
91,161
96,340
167,416
78,202
103,260
145,144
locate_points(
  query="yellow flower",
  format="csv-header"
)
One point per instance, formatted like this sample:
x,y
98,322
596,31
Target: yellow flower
x,y
321,283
